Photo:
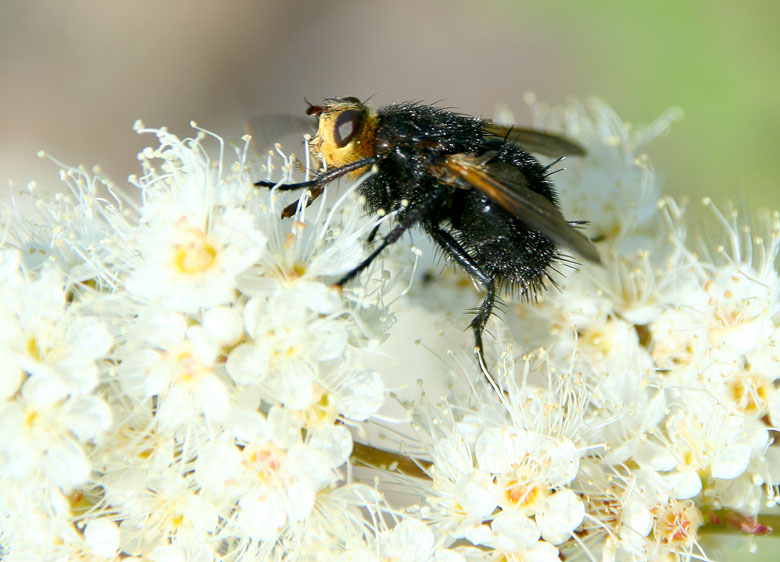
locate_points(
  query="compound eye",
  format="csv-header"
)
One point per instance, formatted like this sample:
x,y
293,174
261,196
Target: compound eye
x,y
346,127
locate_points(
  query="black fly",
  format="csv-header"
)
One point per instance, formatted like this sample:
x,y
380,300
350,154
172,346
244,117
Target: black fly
x,y
470,184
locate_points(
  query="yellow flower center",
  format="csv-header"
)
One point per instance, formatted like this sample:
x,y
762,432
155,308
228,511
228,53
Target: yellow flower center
x,y
32,348
522,494
750,393
677,523
265,459
195,254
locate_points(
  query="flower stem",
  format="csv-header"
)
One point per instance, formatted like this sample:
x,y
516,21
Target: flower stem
x,y
367,455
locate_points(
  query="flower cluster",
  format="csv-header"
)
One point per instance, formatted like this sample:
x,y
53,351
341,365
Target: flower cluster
x,y
180,380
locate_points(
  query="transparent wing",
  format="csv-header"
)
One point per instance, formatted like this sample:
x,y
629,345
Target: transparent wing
x,y
539,142
288,130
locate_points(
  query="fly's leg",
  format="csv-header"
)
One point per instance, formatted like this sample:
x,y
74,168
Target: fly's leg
x,y
321,179
290,209
317,184
408,219
372,234
453,249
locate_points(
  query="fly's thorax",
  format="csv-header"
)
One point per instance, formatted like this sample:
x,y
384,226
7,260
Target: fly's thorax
x,y
424,128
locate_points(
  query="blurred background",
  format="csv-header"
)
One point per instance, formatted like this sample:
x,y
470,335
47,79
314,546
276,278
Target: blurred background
x,y
75,75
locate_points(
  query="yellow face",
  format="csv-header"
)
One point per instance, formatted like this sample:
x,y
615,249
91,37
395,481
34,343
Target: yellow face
x,y
345,133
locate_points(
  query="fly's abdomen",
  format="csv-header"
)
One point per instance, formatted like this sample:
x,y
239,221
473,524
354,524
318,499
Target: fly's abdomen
x,y
516,256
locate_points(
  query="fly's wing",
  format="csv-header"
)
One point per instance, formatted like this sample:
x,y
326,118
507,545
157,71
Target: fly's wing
x,y
287,130
507,186
531,140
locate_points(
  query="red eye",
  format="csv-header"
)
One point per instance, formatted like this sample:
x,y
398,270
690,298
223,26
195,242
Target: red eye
x,y
346,126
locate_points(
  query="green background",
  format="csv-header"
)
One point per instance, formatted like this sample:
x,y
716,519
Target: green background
x,y
717,60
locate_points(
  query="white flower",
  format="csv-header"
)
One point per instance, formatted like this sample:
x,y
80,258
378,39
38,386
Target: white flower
x,y
515,537
275,476
180,379
413,541
37,521
167,506
42,433
288,341
636,517
704,440
613,186
342,394
191,261
48,337
166,359
308,250
679,341
79,230
194,234
102,535
636,522
464,494
531,472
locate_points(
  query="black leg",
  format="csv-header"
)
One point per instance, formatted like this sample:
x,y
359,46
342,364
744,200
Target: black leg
x,y
290,209
321,179
372,234
408,219
456,252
